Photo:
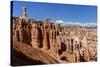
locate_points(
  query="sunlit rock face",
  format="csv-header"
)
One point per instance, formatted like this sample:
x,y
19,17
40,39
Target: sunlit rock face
x,y
65,43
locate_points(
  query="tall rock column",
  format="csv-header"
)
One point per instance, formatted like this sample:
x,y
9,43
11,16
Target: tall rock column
x,y
45,40
16,30
45,37
85,47
21,32
35,36
24,14
53,43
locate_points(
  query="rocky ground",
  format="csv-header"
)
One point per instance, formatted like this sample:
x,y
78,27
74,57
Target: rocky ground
x,y
23,54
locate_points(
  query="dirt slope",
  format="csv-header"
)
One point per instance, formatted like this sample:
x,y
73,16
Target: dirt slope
x,y
23,54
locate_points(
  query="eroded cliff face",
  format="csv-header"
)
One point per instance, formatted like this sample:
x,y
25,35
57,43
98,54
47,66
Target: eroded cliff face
x,y
67,43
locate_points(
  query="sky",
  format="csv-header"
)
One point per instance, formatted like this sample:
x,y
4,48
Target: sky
x,y
60,13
